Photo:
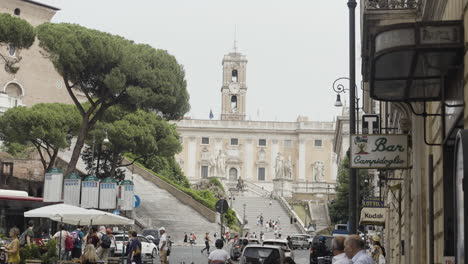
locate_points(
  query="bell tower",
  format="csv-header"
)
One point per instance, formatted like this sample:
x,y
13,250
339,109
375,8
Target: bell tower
x,y
234,89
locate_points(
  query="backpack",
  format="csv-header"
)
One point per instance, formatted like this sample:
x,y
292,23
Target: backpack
x,y
105,241
22,238
76,237
69,243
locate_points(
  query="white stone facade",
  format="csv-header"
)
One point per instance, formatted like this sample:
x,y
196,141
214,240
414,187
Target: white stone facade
x,y
298,153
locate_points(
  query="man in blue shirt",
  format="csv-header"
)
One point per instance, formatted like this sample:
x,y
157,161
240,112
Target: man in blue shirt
x,y
354,249
78,241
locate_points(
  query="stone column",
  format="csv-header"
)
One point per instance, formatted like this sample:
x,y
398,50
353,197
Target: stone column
x,y
301,164
249,159
273,153
192,158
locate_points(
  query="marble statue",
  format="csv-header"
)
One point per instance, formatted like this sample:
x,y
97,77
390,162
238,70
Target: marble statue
x,y
319,168
279,166
221,163
288,168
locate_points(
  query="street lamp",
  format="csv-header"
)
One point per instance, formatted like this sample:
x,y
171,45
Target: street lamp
x,y
339,86
353,176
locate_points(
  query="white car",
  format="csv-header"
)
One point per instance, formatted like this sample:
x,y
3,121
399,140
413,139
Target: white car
x,y
283,243
147,247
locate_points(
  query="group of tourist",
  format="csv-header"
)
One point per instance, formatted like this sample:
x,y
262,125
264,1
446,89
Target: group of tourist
x,y
351,250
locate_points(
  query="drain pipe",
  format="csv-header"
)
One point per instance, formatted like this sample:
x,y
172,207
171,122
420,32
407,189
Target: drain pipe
x,y
430,198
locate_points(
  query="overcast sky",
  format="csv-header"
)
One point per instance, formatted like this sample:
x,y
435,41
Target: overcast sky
x,y
295,49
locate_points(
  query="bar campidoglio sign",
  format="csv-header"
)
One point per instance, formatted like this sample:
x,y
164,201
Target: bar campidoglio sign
x,y
388,151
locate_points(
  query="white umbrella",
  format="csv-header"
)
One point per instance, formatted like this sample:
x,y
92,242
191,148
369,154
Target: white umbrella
x,y
106,218
65,213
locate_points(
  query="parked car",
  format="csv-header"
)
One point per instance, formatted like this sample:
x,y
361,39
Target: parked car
x,y
236,248
154,236
321,249
300,241
256,254
283,243
148,248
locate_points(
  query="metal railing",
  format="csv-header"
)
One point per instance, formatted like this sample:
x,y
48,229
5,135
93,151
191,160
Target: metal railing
x,y
392,4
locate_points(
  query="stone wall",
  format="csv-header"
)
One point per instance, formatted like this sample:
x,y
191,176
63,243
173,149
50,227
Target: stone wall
x,y
181,196
28,175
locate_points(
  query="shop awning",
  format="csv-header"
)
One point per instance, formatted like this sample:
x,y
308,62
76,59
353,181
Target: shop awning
x,y
373,216
409,61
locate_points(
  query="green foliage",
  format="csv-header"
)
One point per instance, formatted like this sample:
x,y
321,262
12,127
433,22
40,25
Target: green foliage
x,y
49,252
18,33
29,252
147,136
17,150
339,208
167,167
48,127
111,70
216,182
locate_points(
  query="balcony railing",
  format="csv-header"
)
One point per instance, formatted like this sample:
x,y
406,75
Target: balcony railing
x,y
392,4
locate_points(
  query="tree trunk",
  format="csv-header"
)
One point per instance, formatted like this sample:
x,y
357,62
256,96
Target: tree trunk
x,y
52,160
79,144
114,162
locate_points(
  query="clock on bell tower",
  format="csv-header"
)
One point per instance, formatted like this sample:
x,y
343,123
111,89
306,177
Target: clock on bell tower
x,y
234,89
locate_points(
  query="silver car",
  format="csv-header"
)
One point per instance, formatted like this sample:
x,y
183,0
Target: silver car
x,y
283,243
262,255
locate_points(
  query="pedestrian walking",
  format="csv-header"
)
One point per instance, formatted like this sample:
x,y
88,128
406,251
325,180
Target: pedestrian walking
x,y
104,244
185,237
134,250
163,247
13,248
61,237
89,255
77,235
28,236
378,252
219,256
207,243
354,249
271,202
91,237
339,257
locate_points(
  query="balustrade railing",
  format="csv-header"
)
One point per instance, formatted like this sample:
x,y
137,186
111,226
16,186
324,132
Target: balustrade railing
x,y
392,4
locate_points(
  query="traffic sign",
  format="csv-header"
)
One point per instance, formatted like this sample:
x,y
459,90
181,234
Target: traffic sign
x,y
222,206
116,212
137,201
370,124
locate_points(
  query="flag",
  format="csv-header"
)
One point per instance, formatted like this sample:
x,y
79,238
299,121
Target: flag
x,y
211,114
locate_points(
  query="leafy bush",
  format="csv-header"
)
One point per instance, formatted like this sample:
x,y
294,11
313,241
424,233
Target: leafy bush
x,y
29,252
47,253
216,182
50,254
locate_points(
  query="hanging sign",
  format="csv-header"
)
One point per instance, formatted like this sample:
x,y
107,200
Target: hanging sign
x,y
373,216
108,194
373,202
387,151
126,193
72,189
371,124
53,184
90,192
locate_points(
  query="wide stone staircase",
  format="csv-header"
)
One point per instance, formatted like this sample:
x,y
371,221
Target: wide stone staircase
x,y
319,214
255,206
160,208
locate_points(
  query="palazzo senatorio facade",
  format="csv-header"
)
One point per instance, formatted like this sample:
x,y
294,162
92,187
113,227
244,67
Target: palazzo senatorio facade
x,y
286,157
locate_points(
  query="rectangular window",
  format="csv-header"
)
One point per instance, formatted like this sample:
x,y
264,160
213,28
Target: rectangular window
x,y
318,143
234,141
204,172
261,174
205,140
262,142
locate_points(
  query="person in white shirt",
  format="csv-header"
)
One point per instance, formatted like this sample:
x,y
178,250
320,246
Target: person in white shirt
x,y
219,256
163,246
338,251
354,249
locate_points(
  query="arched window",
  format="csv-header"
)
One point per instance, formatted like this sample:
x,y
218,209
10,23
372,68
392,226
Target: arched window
x,y
234,76
233,104
14,90
233,174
